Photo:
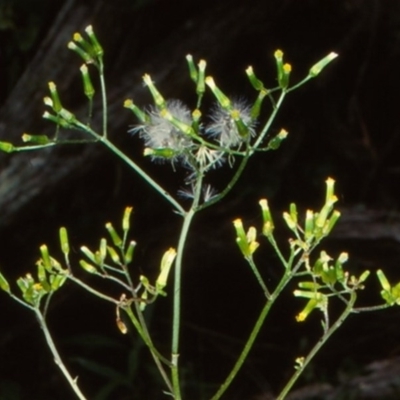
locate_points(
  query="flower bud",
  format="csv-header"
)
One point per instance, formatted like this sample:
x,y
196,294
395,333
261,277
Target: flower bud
x,y
82,53
129,252
221,98
7,147
256,107
126,219
268,223
98,50
255,82
89,254
200,88
192,68
38,139
158,99
166,263
114,255
275,142
88,88
320,65
55,97
45,257
87,267
4,284
64,242
114,235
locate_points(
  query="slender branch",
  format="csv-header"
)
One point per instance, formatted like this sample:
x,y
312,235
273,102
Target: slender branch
x,y
57,359
103,97
259,278
253,336
188,217
318,345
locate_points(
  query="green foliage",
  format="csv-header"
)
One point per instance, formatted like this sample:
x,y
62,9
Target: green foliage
x,y
181,136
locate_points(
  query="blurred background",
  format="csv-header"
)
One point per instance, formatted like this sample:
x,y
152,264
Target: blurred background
x,y
344,124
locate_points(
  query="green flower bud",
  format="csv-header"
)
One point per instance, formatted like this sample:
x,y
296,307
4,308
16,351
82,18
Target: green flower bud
x,y
200,88
98,50
192,68
82,53
383,280
255,82
256,108
114,235
38,139
57,106
164,153
290,222
284,80
64,241
102,250
88,88
363,277
4,284
158,99
268,223
89,254
114,255
221,98
311,286
56,281
67,116
45,257
7,147
126,219
320,65
310,306
136,110
87,267
247,242
184,128
275,142
166,263
309,225
331,222
129,252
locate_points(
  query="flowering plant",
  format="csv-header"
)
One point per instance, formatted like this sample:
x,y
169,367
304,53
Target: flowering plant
x,y
227,136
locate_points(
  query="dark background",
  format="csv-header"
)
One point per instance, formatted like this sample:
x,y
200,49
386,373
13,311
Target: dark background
x,y
344,124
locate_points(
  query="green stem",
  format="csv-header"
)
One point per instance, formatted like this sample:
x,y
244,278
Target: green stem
x,y
93,291
157,357
57,359
271,119
103,97
259,278
253,336
228,187
318,345
176,319
134,166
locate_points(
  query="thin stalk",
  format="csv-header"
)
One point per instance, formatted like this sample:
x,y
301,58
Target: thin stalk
x,y
253,336
93,291
145,176
176,319
135,167
103,97
259,278
301,83
348,310
229,186
157,357
271,119
57,359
